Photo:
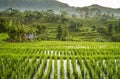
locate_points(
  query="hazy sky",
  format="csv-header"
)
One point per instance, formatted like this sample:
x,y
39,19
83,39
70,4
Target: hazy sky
x,y
82,3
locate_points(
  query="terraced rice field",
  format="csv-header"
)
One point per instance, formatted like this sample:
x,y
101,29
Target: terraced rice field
x,y
60,60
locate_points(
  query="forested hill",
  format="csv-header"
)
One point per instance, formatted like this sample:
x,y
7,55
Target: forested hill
x,y
93,10
97,10
35,5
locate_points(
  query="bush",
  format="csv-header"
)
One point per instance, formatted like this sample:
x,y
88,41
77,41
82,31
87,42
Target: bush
x,y
116,37
102,30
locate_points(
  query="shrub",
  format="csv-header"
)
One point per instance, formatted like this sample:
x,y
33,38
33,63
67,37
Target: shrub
x,y
116,37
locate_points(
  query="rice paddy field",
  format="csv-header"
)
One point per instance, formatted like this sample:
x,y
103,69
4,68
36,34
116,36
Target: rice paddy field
x,y
60,60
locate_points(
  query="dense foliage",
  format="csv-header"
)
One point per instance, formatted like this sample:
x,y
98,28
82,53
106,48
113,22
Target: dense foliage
x,y
48,25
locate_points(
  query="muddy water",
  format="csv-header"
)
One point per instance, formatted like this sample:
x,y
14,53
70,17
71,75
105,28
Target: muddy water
x,y
58,69
65,69
38,68
52,73
46,68
71,67
85,69
78,67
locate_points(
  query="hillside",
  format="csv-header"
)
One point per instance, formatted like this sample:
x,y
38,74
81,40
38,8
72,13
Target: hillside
x,y
93,10
96,10
90,23
35,5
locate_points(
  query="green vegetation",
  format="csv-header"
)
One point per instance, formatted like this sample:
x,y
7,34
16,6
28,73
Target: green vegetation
x,y
62,74
55,69
87,60
47,25
47,44
3,36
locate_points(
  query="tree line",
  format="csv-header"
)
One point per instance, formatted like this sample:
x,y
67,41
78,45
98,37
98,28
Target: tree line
x,y
32,25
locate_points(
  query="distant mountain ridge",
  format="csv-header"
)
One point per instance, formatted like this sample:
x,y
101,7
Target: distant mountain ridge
x,y
57,6
98,10
33,4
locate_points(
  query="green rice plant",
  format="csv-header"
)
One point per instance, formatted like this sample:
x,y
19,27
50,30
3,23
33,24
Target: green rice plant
x,y
62,74
74,65
40,71
35,68
55,69
68,68
90,69
47,74
82,68
69,72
